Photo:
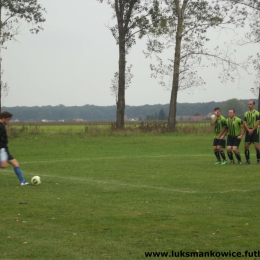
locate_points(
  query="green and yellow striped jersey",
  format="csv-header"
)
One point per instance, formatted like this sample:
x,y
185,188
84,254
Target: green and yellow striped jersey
x,y
234,126
251,118
219,124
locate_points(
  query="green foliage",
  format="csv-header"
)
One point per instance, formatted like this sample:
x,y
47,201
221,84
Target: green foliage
x,y
197,114
162,115
234,103
101,129
16,10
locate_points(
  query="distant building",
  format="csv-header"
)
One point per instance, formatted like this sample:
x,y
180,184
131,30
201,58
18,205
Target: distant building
x,y
210,114
78,119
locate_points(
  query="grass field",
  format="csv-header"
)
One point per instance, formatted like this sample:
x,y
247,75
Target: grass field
x,y
120,196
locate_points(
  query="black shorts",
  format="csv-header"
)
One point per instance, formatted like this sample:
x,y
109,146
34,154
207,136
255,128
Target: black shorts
x,y
254,138
5,155
233,141
219,142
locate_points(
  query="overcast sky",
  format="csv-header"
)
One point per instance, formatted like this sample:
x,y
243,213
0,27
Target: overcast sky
x,y
74,59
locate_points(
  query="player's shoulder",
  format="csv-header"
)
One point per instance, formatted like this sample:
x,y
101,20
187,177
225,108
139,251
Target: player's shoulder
x,y
257,113
238,119
223,120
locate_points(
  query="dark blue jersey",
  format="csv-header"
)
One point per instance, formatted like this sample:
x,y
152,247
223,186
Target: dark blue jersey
x,y
3,136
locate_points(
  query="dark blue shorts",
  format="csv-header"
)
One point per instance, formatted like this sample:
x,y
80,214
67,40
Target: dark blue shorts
x,y
219,142
233,141
254,138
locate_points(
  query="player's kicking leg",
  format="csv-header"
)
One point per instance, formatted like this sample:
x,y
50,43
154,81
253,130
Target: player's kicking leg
x,y
6,157
18,171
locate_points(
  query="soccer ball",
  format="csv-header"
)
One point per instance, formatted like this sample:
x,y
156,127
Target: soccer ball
x,y
36,180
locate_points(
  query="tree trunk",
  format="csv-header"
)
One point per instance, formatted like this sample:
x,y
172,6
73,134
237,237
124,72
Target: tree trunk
x,y
121,85
259,98
0,56
120,113
175,81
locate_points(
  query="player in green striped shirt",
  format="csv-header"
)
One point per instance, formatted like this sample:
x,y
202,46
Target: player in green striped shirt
x,y
236,131
251,122
219,142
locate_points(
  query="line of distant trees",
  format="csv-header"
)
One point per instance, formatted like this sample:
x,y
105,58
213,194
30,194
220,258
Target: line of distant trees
x,y
107,113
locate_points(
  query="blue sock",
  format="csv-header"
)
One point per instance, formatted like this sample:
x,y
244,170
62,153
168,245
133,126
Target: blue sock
x,y
19,174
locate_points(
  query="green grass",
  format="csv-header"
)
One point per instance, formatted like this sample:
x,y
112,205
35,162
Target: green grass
x,y
117,197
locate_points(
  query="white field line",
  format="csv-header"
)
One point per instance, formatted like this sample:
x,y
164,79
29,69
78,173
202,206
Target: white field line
x,y
116,183
114,157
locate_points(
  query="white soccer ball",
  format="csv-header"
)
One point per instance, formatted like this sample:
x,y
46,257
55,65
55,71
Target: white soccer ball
x,y
36,180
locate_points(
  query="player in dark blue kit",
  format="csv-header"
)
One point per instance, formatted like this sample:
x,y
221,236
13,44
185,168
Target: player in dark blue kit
x,y
5,156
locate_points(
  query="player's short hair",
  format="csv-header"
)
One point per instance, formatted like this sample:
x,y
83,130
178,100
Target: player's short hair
x,y
233,110
216,108
252,101
5,114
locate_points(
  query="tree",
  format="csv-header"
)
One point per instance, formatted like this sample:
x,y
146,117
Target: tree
x,y
11,13
115,80
162,115
256,89
185,25
4,88
234,103
197,114
132,19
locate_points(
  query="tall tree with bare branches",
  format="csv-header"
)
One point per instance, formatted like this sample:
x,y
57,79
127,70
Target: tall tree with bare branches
x,y
131,16
184,29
